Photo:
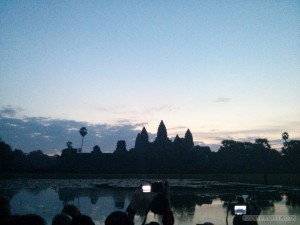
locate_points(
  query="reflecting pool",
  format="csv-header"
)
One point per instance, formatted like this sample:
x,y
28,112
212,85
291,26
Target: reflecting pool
x,y
193,201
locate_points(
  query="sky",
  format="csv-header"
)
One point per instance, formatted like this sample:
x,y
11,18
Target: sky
x,y
223,69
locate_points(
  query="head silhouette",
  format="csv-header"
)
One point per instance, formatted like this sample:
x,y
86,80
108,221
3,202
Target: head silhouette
x,y
61,219
117,218
32,219
4,207
82,220
71,210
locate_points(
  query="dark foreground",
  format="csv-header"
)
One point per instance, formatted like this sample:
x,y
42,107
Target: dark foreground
x,y
193,201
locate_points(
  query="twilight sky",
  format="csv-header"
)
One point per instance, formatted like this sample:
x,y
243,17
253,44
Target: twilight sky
x,y
223,69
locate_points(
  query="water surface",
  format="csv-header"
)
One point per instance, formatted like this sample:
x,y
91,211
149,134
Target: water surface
x,y
193,201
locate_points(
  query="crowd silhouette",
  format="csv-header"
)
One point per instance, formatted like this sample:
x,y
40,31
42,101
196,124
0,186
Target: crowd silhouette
x,y
70,215
184,201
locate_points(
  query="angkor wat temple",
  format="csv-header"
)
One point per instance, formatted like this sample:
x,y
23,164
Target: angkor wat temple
x,y
160,155
162,142
146,156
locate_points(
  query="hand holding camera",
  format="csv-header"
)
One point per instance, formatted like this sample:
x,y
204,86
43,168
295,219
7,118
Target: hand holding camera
x,y
154,197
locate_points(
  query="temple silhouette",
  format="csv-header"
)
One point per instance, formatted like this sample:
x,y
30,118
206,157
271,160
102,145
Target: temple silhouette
x,y
142,143
160,155
146,156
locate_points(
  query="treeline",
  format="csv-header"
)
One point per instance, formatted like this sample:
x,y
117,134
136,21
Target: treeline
x,y
160,156
232,157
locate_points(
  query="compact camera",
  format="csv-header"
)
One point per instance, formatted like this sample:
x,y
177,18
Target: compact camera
x,y
155,187
244,207
151,196
240,210
158,192
146,188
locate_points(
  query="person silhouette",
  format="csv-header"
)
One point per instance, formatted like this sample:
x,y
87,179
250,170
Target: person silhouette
x,y
61,219
117,218
71,210
4,207
82,220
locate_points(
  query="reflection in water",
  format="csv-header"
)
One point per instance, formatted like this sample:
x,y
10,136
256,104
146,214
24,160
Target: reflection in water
x,y
119,199
203,202
67,195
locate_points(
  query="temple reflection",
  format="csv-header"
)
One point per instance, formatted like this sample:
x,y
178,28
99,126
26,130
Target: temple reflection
x,y
186,202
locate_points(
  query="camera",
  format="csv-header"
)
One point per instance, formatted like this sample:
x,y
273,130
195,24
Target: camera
x,y
146,188
155,187
157,192
244,207
151,196
240,210
154,197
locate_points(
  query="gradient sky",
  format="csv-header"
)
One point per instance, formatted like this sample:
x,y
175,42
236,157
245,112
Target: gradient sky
x,y
224,69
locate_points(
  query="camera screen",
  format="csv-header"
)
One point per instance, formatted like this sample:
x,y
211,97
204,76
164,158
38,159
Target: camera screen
x,y
146,188
240,210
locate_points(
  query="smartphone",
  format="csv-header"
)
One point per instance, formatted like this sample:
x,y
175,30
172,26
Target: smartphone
x,y
240,209
146,188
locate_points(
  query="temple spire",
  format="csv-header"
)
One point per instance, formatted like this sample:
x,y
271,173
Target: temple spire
x,y
188,139
142,140
162,140
162,131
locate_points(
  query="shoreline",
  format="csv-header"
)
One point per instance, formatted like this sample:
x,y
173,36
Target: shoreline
x,y
271,179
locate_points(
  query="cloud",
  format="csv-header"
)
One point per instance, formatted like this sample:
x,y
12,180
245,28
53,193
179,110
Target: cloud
x,y
168,108
51,135
9,111
178,128
222,100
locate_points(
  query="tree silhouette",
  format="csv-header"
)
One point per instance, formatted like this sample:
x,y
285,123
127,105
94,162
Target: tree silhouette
x,y
264,142
292,148
5,150
83,132
285,136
